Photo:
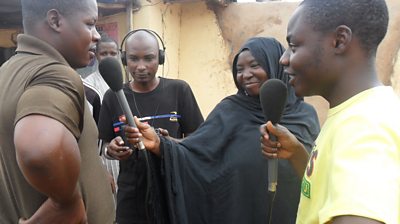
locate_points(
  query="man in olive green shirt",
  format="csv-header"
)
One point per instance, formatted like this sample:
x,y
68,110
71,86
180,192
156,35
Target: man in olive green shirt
x,y
49,168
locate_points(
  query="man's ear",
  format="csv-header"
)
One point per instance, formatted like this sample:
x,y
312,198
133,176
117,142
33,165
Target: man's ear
x,y
54,19
342,40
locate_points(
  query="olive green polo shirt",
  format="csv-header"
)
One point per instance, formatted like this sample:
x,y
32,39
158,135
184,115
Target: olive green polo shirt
x,y
38,80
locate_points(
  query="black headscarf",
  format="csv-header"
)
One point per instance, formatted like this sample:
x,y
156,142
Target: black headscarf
x,y
267,51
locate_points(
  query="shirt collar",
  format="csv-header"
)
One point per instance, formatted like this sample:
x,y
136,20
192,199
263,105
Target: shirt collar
x,y
33,45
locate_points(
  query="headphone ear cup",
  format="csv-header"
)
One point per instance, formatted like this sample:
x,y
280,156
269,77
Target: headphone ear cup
x,y
123,57
161,57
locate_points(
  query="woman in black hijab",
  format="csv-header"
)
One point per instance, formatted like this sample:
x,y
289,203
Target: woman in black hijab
x,y
218,174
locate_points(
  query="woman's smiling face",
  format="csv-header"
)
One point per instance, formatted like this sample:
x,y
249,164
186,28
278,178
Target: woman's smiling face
x,y
250,75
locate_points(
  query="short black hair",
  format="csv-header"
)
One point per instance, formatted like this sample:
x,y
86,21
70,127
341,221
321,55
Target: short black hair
x,y
104,38
368,19
34,10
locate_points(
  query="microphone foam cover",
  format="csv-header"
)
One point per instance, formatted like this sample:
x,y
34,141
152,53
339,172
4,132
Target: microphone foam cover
x,y
110,70
273,94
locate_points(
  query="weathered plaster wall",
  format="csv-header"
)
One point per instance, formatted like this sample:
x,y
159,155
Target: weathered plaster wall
x,y
239,21
5,37
395,79
389,49
164,19
204,61
119,18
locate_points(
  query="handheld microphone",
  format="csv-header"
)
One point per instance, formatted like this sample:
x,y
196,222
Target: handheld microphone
x,y
110,70
273,94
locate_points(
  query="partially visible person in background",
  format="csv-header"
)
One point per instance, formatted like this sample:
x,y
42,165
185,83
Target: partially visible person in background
x,y
95,86
106,47
218,174
162,103
49,168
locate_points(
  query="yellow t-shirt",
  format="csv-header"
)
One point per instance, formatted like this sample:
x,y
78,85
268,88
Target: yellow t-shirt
x,y
354,169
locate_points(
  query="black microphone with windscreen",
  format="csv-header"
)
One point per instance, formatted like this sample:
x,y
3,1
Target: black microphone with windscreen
x,y
273,94
110,70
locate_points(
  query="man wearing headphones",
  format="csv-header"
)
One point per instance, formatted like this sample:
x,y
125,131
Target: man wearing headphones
x,y
162,103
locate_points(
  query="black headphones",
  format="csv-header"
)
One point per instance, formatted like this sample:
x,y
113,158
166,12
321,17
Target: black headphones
x,y
161,52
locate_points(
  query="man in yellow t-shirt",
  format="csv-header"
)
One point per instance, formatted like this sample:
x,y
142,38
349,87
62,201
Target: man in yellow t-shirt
x,y
353,173
355,170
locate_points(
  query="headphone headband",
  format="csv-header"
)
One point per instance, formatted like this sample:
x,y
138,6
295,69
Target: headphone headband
x,y
161,52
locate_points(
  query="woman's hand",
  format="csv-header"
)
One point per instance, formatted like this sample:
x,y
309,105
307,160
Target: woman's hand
x,y
144,133
286,147
162,132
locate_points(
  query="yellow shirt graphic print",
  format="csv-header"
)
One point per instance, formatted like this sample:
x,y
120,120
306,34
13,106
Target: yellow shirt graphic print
x,y
305,184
